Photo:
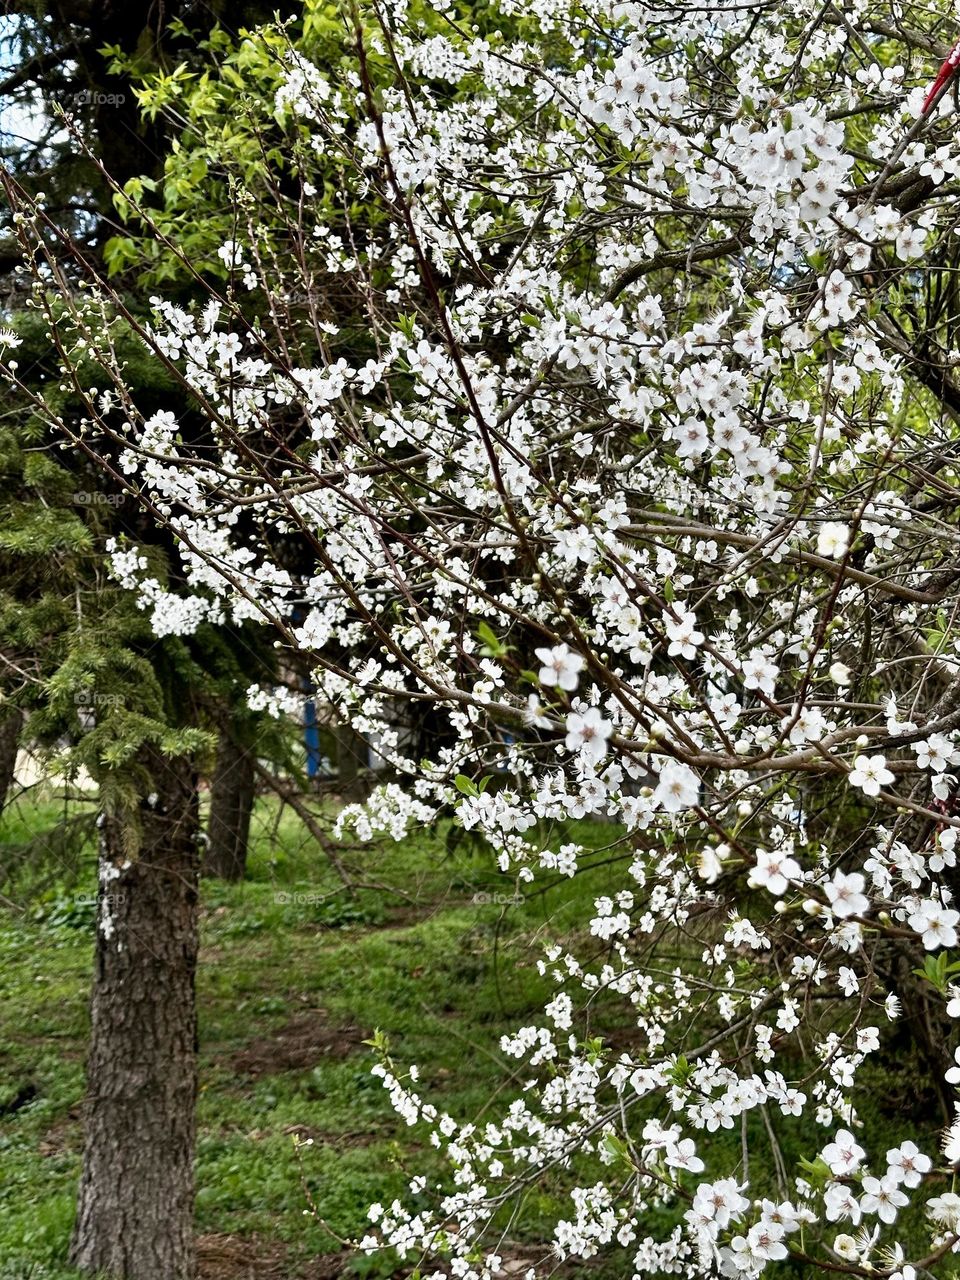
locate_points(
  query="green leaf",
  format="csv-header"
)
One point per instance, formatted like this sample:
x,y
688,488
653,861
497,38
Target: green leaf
x,y
407,325
681,1071
616,1149
493,646
817,1171
594,1048
935,970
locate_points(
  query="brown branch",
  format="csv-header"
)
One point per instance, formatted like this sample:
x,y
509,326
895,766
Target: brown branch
x,y
674,258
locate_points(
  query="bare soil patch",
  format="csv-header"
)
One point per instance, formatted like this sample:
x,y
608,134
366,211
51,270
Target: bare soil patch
x,y
301,1043
224,1257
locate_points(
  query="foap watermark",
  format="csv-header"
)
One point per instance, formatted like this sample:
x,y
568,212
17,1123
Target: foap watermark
x,y
84,499
497,899
108,901
285,899
89,704
90,700
97,98
303,298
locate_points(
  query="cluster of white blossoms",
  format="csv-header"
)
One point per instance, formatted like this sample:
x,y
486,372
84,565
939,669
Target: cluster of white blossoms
x,y
642,475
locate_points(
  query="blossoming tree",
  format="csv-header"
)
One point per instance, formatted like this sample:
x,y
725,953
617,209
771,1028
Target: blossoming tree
x,y
613,395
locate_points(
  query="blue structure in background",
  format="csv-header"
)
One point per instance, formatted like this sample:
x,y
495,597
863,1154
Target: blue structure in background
x,y
503,765
311,738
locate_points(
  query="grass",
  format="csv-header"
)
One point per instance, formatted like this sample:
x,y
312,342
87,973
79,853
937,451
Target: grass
x,y
295,973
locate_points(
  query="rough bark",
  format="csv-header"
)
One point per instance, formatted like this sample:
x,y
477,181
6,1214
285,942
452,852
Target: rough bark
x,y
232,790
351,751
10,723
135,1207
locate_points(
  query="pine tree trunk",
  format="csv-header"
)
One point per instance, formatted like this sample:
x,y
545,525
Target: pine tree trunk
x,y
232,790
135,1208
10,724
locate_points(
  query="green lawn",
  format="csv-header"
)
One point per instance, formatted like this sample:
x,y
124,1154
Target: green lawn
x,y
296,1137
295,973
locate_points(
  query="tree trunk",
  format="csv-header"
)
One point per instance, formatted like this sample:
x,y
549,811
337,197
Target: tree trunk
x,y
232,791
135,1208
351,751
10,724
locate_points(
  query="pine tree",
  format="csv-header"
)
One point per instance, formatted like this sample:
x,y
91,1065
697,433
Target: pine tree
x,y
101,693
